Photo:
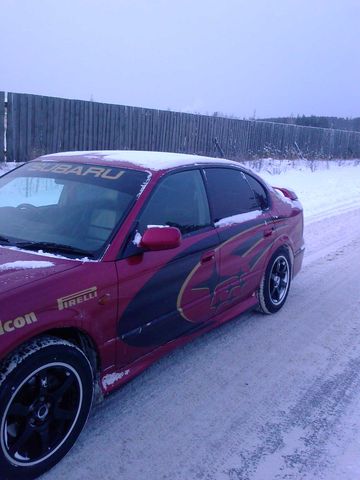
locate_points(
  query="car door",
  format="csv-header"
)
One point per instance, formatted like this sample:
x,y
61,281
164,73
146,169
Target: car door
x,y
245,228
165,294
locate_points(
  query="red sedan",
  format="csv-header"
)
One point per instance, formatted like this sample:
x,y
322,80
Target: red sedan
x,y
108,260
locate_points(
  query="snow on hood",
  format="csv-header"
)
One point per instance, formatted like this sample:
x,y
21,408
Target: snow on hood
x,y
19,267
25,264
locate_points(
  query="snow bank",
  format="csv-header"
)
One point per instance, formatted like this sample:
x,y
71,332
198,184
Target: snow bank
x,y
324,188
6,167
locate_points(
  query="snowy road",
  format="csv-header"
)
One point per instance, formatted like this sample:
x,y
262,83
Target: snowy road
x,y
261,398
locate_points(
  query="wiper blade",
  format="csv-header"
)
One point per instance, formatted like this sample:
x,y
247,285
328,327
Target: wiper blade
x,y
54,247
4,239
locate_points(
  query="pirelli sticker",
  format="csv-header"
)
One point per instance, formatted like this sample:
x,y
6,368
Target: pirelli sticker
x,y
10,326
77,298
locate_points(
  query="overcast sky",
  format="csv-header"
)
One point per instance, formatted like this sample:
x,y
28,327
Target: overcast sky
x,y
238,57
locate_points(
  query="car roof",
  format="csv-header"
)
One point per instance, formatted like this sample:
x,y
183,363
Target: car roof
x,y
136,159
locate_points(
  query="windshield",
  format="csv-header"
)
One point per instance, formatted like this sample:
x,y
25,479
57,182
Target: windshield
x,y
71,209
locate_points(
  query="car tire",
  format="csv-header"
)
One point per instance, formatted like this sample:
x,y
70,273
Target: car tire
x,y
275,283
46,391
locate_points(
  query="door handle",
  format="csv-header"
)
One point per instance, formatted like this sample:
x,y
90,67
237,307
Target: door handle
x,y
207,257
268,232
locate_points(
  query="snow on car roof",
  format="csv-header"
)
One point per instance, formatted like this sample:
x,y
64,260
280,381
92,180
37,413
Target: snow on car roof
x,y
144,159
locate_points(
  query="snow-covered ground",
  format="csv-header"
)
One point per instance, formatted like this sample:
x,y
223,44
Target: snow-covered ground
x,y
324,187
263,397
6,167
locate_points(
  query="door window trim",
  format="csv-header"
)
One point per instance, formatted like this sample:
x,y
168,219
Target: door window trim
x,y
237,169
129,237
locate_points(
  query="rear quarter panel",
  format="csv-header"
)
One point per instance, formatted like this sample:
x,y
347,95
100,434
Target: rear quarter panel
x,y
289,227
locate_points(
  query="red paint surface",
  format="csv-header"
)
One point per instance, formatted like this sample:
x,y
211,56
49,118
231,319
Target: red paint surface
x,y
118,281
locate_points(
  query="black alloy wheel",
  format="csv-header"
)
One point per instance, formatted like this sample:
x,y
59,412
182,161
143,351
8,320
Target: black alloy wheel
x,y
45,402
275,284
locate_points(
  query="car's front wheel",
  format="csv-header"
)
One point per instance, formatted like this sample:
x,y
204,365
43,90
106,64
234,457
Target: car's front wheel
x,y
46,391
275,283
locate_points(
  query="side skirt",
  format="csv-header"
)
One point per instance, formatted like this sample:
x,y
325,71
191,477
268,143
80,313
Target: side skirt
x,y
114,378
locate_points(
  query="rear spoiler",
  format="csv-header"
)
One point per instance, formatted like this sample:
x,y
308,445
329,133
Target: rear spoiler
x,y
287,193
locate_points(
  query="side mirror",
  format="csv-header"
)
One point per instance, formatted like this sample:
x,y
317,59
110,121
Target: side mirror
x,y
161,238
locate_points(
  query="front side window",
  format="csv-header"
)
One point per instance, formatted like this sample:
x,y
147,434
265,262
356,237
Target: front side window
x,y
229,193
179,201
65,208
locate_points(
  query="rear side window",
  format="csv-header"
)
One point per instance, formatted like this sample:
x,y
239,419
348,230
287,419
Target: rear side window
x,y
229,192
259,192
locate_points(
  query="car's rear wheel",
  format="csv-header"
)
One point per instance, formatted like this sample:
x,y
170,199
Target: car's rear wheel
x,y
275,284
46,391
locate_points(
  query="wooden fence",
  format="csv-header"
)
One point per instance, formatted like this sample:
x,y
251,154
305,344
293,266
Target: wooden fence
x,y
2,125
37,125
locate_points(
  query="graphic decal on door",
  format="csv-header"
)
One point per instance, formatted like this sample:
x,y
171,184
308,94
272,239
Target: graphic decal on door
x,y
163,309
226,282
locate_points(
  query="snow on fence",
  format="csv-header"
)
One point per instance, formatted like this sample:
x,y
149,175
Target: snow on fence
x,y
36,125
